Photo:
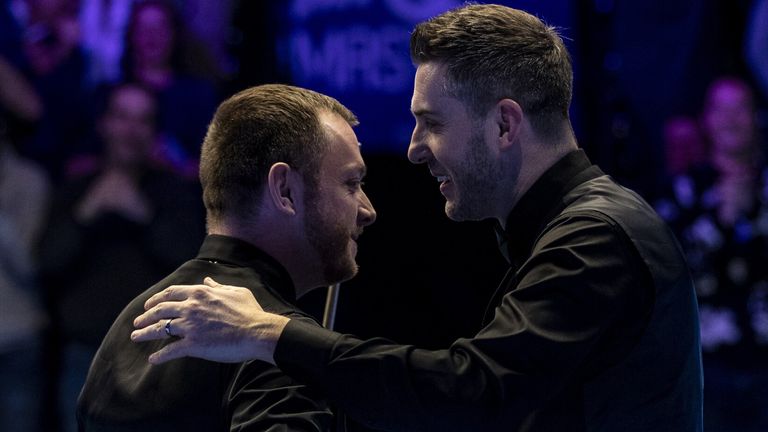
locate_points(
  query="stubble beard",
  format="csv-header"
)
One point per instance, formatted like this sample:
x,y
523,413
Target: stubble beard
x,y
478,178
330,240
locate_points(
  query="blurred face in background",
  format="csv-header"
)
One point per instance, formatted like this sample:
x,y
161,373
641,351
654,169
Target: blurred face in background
x,y
128,126
152,35
729,117
683,144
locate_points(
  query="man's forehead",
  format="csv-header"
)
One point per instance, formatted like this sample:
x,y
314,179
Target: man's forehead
x,y
436,105
343,164
344,153
424,103
429,91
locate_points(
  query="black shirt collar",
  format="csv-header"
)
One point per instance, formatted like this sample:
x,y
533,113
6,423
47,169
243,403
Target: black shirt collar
x,y
232,251
541,203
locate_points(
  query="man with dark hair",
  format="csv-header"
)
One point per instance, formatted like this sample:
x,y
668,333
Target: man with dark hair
x,y
281,173
595,324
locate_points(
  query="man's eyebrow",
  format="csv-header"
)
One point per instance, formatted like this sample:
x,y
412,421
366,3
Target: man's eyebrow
x,y
422,112
360,169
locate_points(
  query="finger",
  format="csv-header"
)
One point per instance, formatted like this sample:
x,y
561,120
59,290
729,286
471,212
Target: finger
x,y
161,311
152,332
208,281
158,330
171,351
172,293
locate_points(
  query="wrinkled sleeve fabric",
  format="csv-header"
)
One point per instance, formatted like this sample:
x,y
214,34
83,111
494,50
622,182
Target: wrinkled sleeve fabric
x,y
265,399
571,308
271,401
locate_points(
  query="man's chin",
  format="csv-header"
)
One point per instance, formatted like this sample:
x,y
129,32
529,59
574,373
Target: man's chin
x,y
453,213
339,275
459,214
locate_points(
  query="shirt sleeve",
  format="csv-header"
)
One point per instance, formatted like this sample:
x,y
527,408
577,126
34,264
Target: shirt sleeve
x,y
268,400
263,398
574,307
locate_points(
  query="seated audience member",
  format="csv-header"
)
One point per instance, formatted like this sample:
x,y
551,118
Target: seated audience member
x,y
111,234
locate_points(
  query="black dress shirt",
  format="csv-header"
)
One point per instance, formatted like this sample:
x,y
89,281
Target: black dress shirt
x,y
594,328
124,392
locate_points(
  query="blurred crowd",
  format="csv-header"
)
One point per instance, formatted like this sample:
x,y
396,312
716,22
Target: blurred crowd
x,y
103,107
717,205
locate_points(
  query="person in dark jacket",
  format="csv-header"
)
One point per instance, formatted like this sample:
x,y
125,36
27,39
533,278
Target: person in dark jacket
x,y
282,174
594,327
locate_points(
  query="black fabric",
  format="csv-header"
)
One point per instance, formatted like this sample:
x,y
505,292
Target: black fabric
x,y
123,392
594,329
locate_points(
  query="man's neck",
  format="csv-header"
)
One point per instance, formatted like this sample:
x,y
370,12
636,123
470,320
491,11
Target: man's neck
x,y
277,244
535,163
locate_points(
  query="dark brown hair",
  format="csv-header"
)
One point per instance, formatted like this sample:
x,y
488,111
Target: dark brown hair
x,y
255,129
493,52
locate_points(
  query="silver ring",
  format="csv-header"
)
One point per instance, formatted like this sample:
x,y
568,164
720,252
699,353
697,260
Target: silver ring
x,y
168,327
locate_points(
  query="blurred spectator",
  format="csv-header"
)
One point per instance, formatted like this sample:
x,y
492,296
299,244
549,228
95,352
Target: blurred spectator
x,y
211,22
112,234
756,43
103,24
23,200
17,97
24,193
10,32
47,52
721,217
162,55
683,145
51,35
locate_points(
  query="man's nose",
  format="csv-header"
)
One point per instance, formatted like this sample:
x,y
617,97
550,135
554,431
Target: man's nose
x,y
418,152
366,213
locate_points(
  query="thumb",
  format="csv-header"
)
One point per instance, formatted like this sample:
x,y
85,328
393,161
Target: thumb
x,y
210,282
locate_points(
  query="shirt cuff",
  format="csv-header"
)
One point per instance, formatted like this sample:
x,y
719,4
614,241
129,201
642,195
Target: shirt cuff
x,y
304,348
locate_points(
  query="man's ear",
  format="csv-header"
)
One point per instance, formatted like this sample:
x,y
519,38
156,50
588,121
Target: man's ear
x,y
509,119
282,187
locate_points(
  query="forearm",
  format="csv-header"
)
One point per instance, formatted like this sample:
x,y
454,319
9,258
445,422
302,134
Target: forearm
x,y
389,386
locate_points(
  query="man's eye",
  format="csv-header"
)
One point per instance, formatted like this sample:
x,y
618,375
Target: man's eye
x,y
355,184
431,125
